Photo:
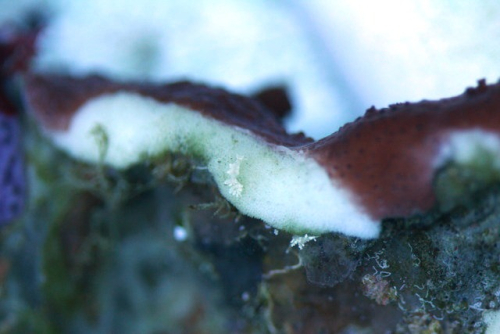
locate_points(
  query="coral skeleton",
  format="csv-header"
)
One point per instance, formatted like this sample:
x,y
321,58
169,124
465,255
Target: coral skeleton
x,y
381,165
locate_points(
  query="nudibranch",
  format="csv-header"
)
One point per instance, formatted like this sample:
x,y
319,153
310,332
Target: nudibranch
x,y
381,165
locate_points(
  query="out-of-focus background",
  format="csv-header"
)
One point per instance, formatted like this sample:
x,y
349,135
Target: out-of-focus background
x,y
337,58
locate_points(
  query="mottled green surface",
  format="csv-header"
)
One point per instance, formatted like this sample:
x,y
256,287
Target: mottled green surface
x,y
96,252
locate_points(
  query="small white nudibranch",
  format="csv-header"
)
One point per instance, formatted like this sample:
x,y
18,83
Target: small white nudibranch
x,y
301,240
235,187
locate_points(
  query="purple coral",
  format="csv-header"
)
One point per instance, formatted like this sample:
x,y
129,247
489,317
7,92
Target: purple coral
x,y
16,49
12,181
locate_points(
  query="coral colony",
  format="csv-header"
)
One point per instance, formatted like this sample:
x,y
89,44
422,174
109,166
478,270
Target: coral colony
x,y
382,165
181,207
427,164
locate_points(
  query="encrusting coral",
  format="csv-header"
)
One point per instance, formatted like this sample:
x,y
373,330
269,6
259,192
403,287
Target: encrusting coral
x,y
408,280
381,165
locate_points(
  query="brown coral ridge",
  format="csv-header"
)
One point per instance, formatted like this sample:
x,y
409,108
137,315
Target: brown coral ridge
x,y
275,99
55,98
388,157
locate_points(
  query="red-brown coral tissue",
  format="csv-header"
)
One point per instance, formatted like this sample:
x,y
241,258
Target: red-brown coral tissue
x,y
388,157
381,165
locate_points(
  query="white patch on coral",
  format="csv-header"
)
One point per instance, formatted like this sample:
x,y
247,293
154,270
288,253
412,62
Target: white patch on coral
x,y
283,187
235,187
466,146
492,320
301,240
